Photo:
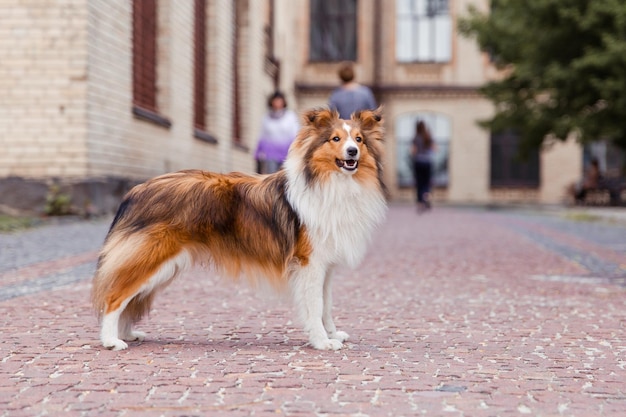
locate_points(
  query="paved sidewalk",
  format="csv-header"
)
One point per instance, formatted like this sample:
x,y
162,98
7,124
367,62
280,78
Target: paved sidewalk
x,y
457,312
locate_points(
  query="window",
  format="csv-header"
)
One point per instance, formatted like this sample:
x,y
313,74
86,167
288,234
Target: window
x,y
145,62
144,54
333,34
199,85
439,126
239,9
508,169
423,31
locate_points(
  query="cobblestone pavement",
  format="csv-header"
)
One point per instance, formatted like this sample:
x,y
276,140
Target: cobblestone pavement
x,y
456,312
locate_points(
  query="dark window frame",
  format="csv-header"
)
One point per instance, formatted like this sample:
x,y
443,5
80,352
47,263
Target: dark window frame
x,y
237,12
333,32
507,168
144,44
200,73
199,65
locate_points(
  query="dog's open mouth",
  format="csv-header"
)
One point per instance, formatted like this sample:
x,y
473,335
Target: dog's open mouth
x,y
347,164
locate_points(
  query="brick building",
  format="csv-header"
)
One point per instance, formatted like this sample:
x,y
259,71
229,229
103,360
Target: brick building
x,y
99,95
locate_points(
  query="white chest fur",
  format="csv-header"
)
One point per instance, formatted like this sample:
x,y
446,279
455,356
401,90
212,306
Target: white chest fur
x,y
339,214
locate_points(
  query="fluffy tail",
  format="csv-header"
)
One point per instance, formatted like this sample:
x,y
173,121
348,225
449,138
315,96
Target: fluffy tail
x,y
131,267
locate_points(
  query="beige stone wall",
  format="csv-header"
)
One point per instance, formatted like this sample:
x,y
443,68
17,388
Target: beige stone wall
x,y
561,166
43,84
66,73
112,149
255,84
287,22
220,81
122,144
469,152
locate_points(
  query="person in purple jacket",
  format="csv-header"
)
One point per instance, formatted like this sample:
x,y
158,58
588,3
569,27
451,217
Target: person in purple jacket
x,y
350,96
278,129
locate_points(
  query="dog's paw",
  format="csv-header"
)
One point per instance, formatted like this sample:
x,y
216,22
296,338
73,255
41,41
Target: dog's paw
x,y
339,335
327,344
115,344
135,335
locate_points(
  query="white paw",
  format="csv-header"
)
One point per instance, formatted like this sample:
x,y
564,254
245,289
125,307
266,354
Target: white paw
x,y
135,335
115,344
327,344
339,335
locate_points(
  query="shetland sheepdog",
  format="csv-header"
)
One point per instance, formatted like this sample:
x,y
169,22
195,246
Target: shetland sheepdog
x,y
291,227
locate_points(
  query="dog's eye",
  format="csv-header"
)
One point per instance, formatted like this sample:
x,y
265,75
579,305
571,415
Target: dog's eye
x,y
359,139
336,139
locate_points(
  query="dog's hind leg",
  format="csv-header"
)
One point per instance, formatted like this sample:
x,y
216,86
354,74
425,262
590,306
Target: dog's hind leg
x,y
133,312
308,287
127,333
133,304
117,324
109,329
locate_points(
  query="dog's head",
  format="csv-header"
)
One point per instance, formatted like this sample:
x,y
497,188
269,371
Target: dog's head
x,y
329,145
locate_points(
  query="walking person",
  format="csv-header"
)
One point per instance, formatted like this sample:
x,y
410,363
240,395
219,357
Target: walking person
x,y
278,129
422,155
350,96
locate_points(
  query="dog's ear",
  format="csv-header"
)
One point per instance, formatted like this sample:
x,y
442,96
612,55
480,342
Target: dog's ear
x,y
320,117
369,119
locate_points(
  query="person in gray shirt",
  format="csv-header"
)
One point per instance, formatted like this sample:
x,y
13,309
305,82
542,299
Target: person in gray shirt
x,y
350,96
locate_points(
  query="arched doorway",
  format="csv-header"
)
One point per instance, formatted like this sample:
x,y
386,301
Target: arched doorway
x,y
440,127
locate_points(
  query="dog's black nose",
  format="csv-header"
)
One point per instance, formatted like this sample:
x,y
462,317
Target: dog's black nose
x,y
352,151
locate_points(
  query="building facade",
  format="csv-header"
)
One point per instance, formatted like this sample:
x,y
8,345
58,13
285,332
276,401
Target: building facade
x,y
420,68
99,95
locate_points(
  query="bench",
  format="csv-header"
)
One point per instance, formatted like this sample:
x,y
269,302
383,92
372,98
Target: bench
x,y
611,191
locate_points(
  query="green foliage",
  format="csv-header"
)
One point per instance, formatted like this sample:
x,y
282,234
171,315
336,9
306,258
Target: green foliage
x,y
12,223
57,203
564,65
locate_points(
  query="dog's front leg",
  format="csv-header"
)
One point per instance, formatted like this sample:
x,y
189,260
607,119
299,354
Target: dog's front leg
x,y
309,298
327,317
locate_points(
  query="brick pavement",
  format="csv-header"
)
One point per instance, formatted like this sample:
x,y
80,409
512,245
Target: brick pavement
x,y
453,313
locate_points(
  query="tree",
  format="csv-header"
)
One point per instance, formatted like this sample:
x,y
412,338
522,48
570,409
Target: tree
x,y
563,64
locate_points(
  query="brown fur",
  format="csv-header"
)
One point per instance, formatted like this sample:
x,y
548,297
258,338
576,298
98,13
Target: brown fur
x,y
241,224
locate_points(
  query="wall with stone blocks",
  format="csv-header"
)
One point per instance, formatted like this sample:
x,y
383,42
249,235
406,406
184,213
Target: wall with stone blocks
x,y
66,102
43,85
